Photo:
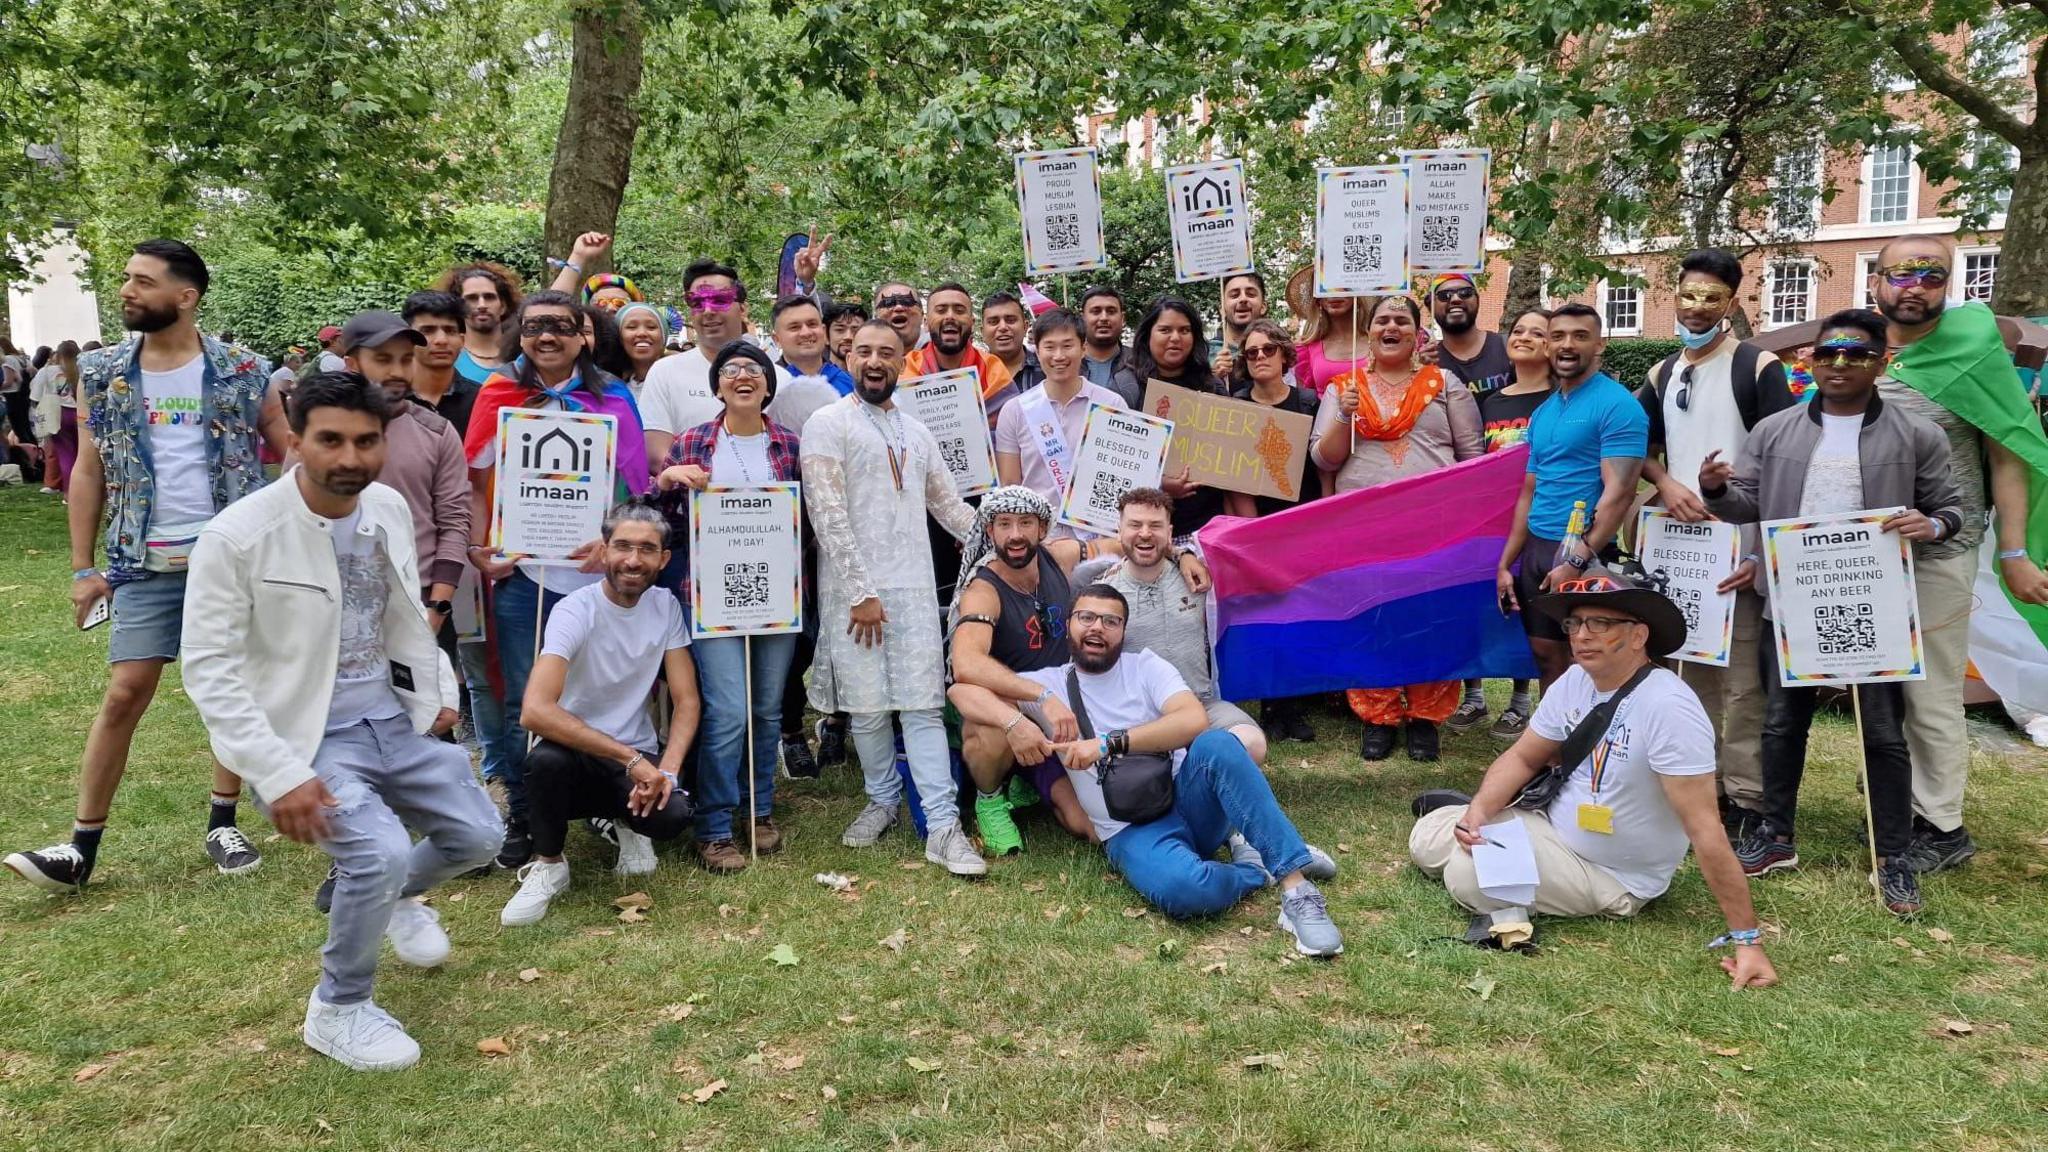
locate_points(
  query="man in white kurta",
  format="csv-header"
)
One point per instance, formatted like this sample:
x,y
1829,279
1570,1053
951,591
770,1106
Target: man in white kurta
x,y
871,473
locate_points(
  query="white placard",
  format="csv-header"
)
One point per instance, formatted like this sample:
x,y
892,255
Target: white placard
x,y
1211,220
1842,600
1059,197
1362,231
1119,450
746,560
949,404
1447,201
468,616
1694,559
554,481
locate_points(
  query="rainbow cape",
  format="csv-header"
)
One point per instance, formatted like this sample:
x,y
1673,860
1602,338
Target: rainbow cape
x,y
1384,586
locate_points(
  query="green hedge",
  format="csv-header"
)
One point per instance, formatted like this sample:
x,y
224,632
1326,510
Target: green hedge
x,y
1630,361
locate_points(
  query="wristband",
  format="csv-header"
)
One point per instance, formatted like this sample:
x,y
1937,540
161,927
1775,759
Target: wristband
x,y
1103,754
554,263
1119,740
82,573
637,758
673,782
1014,721
1044,694
1753,558
1738,937
2006,554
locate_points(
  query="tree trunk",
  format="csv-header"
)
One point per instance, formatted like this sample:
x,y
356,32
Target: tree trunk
x,y
594,150
2022,287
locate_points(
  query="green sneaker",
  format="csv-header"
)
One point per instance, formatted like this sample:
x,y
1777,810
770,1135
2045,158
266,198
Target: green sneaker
x,y
1020,793
999,835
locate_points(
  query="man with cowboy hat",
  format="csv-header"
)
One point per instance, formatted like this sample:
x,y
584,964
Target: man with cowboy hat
x,y
1634,786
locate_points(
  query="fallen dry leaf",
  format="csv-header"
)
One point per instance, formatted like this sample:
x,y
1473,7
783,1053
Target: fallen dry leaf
x,y
703,1095
528,975
455,897
1219,966
1056,911
1156,1129
634,900
679,1011
1940,935
321,1123
790,1063
917,1064
965,949
1838,958
1343,847
1035,887
829,1092
1264,1060
1136,913
632,915
910,865
1727,1051
1482,984
494,1046
1958,1027
895,941
87,1073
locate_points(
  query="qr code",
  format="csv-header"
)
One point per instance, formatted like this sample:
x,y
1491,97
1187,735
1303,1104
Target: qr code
x,y
1105,490
746,585
1361,254
1063,232
1439,235
1688,601
953,450
1845,629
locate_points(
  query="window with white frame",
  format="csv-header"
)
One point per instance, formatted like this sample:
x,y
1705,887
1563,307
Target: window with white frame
x,y
1788,293
1995,48
1980,274
1795,190
1885,75
1621,308
1888,184
1866,267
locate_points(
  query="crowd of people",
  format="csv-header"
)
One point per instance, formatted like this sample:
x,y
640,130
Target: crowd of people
x,y
979,658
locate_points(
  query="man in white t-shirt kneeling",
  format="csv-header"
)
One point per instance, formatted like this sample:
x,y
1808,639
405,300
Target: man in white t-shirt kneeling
x,y
1616,831
587,702
1136,704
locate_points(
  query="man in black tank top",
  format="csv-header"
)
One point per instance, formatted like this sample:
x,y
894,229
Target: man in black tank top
x,y
1010,616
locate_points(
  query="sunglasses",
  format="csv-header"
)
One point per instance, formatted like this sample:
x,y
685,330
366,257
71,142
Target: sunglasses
x,y
904,300
551,326
1592,625
1452,295
1107,619
1684,397
713,299
1263,351
1908,275
740,371
1846,356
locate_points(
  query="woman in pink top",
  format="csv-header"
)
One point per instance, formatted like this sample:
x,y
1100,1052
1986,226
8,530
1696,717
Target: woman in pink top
x,y
1328,350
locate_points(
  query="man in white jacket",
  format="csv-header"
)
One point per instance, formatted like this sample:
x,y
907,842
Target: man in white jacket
x,y
308,655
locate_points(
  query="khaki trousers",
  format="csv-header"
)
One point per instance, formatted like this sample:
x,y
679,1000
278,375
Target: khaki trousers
x,y
1567,884
1935,732
1734,700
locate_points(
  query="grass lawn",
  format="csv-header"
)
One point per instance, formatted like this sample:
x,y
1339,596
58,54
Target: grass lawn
x,y
1041,1009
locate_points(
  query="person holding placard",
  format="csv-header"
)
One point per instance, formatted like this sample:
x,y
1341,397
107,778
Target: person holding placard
x,y
1396,418
870,477
950,316
1847,451
1169,346
1330,346
1036,434
741,447
1244,302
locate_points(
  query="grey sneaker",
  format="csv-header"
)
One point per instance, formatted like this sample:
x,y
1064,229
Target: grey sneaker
x,y
1936,851
1304,915
867,828
1320,866
231,851
1242,852
950,848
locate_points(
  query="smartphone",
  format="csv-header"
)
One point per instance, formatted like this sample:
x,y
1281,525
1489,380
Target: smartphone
x,y
1506,608
102,611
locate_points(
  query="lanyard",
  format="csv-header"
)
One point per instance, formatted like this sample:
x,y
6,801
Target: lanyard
x,y
898,452
1597,763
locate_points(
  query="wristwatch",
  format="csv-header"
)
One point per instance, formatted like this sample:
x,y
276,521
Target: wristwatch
x,y
1580,562
444,607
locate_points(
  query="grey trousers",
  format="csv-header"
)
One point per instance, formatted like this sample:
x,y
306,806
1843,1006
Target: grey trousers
x,y
387,778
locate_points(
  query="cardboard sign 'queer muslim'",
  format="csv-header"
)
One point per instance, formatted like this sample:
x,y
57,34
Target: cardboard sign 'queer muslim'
x,y
1059,197
1119,450
1694,559
1362,231
1842,599
1235,445
1211,220
1447,197
949,404
746,560
554,481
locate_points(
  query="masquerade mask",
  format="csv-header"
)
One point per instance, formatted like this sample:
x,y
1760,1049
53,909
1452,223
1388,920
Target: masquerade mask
x,y
1907,273
713,299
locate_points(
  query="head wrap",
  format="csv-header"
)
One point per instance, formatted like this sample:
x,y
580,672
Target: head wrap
x,y
744,349
1441,279
975,554
651,310
603,280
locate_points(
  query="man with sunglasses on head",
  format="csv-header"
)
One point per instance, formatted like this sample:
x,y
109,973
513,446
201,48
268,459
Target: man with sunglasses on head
x,y
1847,451
679,395
1705,398
1637,759
1949,365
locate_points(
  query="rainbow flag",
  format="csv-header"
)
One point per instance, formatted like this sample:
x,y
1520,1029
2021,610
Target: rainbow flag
x,y
1381,587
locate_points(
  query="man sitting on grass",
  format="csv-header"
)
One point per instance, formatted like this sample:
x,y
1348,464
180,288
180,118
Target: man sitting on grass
x,y
1137,704
1610,839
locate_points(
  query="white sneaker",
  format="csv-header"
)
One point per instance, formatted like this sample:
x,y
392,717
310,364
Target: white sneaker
x,y
415,934
636,852
539,882
950,848
362,1036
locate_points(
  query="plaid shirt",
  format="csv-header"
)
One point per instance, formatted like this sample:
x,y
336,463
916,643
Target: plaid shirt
x,y
696,446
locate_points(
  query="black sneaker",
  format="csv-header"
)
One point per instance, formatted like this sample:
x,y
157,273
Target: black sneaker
x,y
1936,851
1763,851
603,829
231,851
1470,714
1295,726
831,742
1436,798
1424,744
1378,742
323,900
58,868
518,846
797,760
1479,934
1738,821
1897,886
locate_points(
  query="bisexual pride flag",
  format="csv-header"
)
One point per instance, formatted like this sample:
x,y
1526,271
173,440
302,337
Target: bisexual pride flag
x,y
1377,588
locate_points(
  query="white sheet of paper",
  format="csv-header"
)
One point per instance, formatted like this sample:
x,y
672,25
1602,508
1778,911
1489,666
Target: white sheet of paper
x,y
1507,867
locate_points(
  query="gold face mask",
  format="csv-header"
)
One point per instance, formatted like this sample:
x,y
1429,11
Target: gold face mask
x,y
1690,297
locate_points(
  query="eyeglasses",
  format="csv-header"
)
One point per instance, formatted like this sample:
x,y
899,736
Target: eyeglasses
x,y
1263,351
1592,625
1704,297
904,300
740,370
1085,618
1908,275
713,299
1452,295
1846,356
1684,397
551,326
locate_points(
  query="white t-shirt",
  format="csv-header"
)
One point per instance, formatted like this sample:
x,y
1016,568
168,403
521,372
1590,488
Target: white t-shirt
x,y
329,362
1834,474
678,395
172,406
798,397
362,672
1661,730
1134,692
1710,422
741,460
283,378
614,657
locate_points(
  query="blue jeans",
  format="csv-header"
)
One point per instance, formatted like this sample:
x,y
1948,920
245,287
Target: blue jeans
x,y
512,611
486,711
722,752
1218,789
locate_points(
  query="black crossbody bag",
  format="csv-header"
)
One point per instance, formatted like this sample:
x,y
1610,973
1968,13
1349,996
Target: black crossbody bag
x,y
1137,787
1578,744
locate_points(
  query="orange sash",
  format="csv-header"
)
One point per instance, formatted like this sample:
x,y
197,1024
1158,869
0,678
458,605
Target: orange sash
x,y
1369,424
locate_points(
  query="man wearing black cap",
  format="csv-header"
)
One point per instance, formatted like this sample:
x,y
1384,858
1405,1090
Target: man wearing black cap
x,y
1610,838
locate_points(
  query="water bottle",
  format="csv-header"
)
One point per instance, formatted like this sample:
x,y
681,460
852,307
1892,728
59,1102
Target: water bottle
x,y
1574,533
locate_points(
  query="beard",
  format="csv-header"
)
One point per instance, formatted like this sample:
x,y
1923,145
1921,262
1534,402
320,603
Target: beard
x,y
1096,663
1458,327
143,318
951,343
344,483
1030,556
876,394
1894,310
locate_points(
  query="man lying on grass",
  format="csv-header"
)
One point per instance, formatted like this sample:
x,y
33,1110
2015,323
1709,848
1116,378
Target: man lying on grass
x,y
1162,791
1638,785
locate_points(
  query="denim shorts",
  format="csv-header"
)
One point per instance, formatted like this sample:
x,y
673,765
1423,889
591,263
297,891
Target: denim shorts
x,y
148,616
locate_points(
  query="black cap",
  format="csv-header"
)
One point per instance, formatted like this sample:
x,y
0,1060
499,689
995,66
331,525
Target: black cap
x,y
369,329
1617,591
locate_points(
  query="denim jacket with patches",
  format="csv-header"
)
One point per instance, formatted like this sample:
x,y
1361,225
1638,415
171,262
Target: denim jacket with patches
x,y
110,392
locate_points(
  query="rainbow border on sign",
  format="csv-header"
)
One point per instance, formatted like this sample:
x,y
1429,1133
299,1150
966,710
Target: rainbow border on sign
x,y
1088,425
909,384
1735,561
1031,266
1179,261
795,621
1789,678
506,416
1321,289
1484,155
